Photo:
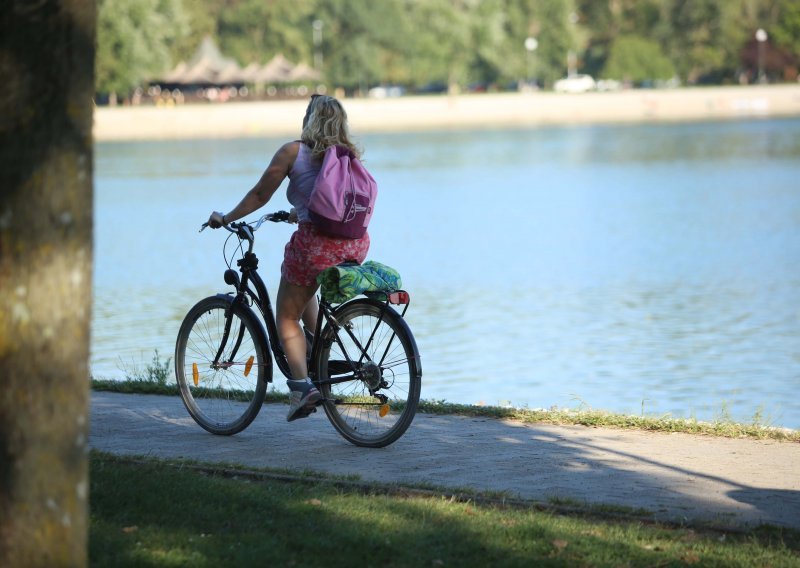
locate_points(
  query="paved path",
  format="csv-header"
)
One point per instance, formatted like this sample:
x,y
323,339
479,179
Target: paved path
x,y
676,477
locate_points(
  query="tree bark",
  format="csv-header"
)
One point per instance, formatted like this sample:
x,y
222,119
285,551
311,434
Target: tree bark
x,y
47,70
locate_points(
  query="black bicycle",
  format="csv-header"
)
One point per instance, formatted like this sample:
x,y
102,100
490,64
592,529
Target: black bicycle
x,y
364,360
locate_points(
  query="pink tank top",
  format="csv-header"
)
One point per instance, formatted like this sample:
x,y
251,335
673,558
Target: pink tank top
x,y
301,181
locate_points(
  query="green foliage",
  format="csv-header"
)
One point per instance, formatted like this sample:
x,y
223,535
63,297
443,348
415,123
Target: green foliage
x,y
448,42
254,30
156,372
637,59
358,37
201,21
786,31
441,50
134,38
696,39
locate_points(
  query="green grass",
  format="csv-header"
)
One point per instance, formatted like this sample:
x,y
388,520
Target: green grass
x,y
723,427
155,372
155,513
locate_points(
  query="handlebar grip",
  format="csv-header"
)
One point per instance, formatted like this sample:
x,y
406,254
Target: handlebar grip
x,y
234,227
279,216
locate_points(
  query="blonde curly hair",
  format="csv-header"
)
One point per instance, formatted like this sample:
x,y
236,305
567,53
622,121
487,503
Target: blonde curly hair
x,y
325,125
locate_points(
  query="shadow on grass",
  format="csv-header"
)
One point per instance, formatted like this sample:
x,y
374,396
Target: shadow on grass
x,y
588,468
153,514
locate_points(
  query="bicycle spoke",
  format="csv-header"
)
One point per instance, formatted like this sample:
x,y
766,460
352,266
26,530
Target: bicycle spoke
x,y
228,394
375,405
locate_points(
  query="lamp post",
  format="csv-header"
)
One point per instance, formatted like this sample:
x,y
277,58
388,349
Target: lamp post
x,y
572,57
531,44
761,38
317,27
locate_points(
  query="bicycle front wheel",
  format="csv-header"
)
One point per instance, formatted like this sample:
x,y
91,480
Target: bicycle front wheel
x,y
369,373
222,365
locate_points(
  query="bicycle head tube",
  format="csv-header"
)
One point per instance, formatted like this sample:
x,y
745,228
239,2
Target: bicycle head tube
x,y
248,262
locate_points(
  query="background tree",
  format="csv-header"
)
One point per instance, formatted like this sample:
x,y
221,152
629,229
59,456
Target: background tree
x,y
557,26
47,63
439,53
604,21
786,28
135,40
202,17
499,54
358,35
785,33
254,30
417,43
635,59
695,43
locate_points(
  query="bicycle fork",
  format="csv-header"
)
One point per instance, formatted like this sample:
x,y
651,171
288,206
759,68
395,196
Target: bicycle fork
x,y
219,362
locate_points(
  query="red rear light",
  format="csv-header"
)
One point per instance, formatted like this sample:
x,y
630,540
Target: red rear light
x,y
399,297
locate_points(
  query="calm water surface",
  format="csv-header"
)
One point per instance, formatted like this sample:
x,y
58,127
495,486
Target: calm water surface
x,y
634,269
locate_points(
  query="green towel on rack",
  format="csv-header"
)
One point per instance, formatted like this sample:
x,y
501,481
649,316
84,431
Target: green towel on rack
x,y
345,281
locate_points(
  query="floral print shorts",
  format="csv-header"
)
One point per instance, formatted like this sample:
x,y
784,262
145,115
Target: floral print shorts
x,y
310,251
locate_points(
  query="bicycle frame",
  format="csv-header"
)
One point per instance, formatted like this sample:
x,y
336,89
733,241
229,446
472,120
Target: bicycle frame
x,y
260,297
248,266
364,359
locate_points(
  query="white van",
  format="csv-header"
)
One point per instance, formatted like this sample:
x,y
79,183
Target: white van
x,y
575,84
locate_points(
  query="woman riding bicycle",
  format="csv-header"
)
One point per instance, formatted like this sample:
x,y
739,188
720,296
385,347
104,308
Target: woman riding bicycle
x,y
309,251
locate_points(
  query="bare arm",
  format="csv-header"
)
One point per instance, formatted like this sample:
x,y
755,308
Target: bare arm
x,y
263,190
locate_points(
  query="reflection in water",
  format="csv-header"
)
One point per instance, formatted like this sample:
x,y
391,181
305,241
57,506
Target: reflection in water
x,y
627,268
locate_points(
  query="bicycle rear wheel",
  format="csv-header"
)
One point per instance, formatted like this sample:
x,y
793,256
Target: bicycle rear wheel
x,y
370,379
225,396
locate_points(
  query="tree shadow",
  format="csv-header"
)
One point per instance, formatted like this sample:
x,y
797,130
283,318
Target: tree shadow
x,y
600,468
208,520
576,464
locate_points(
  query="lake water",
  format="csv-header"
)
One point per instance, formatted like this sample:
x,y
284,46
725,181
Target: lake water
x,y
649,268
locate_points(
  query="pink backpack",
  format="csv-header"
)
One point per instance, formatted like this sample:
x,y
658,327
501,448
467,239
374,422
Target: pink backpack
x,y
344,194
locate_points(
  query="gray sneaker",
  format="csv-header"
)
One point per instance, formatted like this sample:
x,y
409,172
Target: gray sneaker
x,y
303,399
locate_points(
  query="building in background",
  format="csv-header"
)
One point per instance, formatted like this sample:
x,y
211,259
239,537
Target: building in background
x,y
210,76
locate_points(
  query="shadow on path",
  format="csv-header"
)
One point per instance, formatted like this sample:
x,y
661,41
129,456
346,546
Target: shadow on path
x,y
676,477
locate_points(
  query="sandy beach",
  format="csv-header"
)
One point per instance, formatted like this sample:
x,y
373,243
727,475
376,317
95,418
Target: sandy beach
x,y
415,113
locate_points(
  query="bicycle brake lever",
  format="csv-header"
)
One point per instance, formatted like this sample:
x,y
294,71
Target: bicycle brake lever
x,y
203,226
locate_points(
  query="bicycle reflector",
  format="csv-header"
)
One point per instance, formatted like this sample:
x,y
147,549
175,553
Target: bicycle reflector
x,y
195,374
384,410
399,297
248,366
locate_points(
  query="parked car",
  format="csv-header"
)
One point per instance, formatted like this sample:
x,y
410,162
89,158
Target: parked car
x,y
432,89
575,84
386,91
609,85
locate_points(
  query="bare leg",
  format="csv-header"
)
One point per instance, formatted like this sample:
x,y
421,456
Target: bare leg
x,y
295,302
311,313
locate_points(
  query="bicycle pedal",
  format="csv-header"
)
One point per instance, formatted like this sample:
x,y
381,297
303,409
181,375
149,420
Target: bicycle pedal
x,y
307,412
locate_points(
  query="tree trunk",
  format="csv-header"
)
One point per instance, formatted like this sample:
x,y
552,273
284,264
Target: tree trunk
x,y
47,70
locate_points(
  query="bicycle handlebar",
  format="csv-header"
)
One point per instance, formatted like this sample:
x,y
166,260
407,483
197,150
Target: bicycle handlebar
x,y
276,217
